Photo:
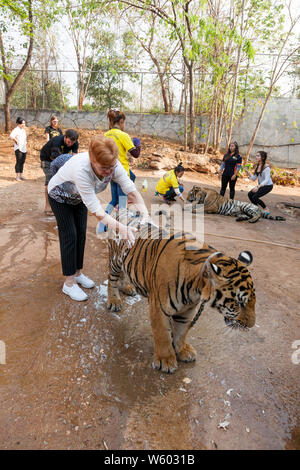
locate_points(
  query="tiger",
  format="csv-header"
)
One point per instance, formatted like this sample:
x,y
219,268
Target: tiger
x,y
214,203
181,278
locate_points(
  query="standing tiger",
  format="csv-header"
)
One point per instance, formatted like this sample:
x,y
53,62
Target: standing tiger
x,y
180,278
214,203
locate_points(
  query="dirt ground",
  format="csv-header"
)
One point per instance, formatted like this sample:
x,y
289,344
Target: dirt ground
x,y
79,377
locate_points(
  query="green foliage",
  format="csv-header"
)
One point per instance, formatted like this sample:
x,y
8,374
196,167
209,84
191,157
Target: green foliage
x,y
105,85
35,93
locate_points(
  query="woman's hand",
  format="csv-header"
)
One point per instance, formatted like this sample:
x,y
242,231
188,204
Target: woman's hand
x,y
233,177
220,174
127,233
255,189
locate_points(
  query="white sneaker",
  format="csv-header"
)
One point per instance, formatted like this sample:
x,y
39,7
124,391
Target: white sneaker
x,y
74,292
85,281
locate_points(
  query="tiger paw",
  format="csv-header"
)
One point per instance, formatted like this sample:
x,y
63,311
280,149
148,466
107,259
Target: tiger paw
x,y
168,365
128,290
187,354
115,305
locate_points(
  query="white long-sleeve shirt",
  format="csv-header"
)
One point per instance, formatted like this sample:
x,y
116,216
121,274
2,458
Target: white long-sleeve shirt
x,y
76,181
264,179
19,135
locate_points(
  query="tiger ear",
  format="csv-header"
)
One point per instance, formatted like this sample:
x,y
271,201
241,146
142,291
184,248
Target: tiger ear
x,y
216,269
245,257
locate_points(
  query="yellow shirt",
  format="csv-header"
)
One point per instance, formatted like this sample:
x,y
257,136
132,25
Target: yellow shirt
x,y
169,180
124,144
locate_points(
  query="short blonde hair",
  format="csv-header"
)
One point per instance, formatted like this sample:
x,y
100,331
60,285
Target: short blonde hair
x,y
103,150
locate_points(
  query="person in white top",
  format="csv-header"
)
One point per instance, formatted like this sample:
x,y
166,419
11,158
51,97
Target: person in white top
x,y
72,193
18,135
262,172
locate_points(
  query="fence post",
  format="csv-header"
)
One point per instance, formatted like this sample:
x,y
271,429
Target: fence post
x,y
122,90
141,95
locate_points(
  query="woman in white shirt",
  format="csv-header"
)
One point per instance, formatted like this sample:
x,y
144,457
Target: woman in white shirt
x,y
18,135
72,193
262,172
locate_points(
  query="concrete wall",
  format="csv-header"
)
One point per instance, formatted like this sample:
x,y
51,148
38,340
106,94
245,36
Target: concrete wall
x,y
279,133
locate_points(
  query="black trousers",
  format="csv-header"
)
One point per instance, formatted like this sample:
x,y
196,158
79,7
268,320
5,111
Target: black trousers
x,y
225,180
71,223
20,160
255,197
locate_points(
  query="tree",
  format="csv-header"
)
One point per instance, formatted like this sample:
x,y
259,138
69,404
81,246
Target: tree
x,y
22,12
106,69
156,43
83,20
31,92
282,63
184,21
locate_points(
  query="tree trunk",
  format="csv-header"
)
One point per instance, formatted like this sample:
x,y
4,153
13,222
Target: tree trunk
x,y
10,90
185,109
7,113
258,124
236,75
192,107
80,92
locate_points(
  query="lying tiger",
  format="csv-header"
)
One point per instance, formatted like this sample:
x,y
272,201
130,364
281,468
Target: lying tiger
x,y
180,278
214,203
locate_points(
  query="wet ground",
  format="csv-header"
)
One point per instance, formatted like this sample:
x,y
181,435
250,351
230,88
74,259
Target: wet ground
x,y
79,377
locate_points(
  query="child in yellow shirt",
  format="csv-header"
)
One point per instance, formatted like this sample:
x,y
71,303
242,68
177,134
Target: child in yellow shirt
x,y
169,187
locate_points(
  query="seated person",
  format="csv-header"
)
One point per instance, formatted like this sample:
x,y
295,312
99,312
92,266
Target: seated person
x,y
169,186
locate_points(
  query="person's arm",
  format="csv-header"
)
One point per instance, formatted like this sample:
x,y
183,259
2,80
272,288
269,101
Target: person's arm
x,y
221,169
178,193
47,132
139,203
136,150
237,168
125,233
253,176
75,147
266,174
13,136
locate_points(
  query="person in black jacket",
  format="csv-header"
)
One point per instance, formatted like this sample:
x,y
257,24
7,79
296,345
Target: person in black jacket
x,y
229,169
67,143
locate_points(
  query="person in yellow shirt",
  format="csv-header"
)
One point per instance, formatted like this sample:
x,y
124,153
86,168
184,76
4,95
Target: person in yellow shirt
x,y
116,121
169,186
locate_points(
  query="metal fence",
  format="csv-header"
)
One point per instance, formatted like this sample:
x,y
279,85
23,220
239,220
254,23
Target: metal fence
x,y
137,91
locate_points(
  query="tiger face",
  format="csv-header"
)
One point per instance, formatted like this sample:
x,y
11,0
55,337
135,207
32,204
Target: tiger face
x,y
196,194
231,289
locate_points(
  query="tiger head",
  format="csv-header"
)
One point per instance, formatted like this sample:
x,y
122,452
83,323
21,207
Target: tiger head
x,y
196,194
228,286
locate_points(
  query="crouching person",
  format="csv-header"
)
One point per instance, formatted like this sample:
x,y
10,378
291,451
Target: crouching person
x,y
169,186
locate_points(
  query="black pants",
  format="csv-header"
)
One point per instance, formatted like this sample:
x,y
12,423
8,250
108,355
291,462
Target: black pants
x,y
225,180
20,160
71,223
255,197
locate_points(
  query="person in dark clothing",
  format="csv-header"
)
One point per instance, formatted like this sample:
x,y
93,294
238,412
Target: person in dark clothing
x,y
61,144
53,130
229,169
